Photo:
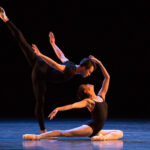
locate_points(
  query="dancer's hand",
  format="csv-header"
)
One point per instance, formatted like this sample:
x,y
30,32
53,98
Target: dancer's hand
x,y
53,114
94,59
36,50
51,38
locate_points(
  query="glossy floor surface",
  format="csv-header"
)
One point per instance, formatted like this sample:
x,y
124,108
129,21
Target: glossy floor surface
x,y
136,135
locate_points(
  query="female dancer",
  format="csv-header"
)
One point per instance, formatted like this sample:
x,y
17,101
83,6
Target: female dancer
x,y
46,70
96,105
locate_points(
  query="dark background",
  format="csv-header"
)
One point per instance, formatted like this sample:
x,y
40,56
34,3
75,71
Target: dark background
x,y
115,32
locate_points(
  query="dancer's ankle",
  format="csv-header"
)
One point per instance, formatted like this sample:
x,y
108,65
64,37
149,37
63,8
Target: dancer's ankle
x,y
6,19
3,15
43,131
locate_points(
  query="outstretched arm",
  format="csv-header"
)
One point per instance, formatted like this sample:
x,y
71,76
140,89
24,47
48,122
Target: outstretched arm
x,y
56,49
48,60
106,81
80,104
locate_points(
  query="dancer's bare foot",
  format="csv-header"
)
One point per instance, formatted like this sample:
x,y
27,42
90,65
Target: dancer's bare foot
x,y
3,15
30,137
43,131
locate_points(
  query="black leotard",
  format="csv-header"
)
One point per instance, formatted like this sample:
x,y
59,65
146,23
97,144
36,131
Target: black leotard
x,y
99,116
41,72
55,76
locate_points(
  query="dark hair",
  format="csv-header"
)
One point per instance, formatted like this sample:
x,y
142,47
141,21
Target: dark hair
x,y
87,63
81,94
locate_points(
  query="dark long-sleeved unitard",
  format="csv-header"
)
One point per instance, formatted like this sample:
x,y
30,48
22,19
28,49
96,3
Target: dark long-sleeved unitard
x,y
41,72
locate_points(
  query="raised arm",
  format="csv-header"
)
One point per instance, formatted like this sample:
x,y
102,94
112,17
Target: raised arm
x,y
76,105
56,49
106,81
48,60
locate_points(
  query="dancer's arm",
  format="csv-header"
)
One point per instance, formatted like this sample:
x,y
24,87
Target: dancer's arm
x,y
48,60
106,81
76,105
56,49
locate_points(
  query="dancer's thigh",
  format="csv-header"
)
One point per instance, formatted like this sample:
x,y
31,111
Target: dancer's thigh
x,y
81,131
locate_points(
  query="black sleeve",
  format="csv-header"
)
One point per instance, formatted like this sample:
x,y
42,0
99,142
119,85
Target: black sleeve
x,y
69,70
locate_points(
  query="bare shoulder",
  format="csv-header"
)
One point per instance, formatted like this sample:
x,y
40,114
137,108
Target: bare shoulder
x,y
100,98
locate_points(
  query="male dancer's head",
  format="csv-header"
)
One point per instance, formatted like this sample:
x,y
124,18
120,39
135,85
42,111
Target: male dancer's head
x,y
86,67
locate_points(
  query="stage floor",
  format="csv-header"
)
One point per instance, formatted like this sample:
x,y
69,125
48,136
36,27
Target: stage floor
x,y
136,135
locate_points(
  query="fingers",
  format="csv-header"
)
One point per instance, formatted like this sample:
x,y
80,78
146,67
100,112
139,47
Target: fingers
x,y
52,115
52,37
91,56
34,46
51,34
49,115
93,59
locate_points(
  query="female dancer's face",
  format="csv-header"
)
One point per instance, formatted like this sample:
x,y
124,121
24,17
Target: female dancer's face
x,y
85,91
87,72
89,89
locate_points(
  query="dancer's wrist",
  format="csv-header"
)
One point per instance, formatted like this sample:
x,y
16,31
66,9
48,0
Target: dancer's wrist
x,y
57,109
52,44
40,54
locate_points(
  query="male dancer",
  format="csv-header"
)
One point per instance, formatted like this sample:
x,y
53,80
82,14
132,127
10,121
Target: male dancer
x,y
46,70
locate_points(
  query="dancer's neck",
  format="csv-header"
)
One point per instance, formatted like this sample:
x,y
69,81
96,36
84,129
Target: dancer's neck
x,y
93,96
78,69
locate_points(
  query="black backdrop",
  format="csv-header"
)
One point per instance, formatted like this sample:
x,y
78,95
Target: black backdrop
x,y
117,33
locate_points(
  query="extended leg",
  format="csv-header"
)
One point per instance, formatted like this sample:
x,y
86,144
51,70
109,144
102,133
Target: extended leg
x,y
82,131
108,135
23,44
17,34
